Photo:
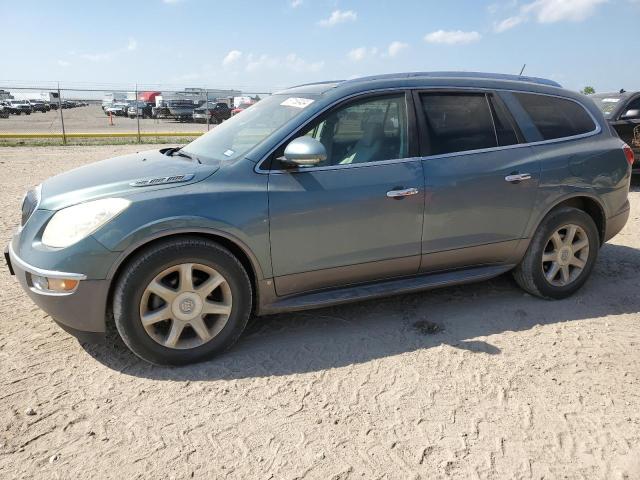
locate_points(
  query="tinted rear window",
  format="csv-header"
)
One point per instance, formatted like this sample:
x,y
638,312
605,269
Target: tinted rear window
x,y
458,122
556,117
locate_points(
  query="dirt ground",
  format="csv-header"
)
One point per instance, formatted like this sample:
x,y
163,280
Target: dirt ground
x,y
90,119
507,386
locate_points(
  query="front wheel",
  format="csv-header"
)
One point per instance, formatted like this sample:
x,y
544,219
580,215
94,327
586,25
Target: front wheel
x,y
561,255
182,301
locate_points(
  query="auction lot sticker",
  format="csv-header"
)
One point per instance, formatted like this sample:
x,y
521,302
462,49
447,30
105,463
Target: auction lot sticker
x,y
297,102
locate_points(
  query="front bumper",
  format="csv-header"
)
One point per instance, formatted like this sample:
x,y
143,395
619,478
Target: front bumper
x,y
81,312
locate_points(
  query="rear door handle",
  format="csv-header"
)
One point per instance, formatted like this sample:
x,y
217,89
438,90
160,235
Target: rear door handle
x,y
405,192
517,177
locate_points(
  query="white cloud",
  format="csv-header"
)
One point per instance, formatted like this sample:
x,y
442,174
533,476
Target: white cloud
x,y
507,24
357,54
63,63
232,57
452,37
339,16
260,62
132,45
296,3
291,62
172,2
360,53
551,11
396,47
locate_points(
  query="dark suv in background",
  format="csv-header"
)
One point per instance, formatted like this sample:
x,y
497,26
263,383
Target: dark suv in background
x,y
215,112
323,194
622,111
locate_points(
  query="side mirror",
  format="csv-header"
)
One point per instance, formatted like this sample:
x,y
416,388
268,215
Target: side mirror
x,y
629,114
304,152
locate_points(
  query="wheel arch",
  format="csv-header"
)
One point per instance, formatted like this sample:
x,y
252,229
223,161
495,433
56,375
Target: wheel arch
x,y
585,202
234,245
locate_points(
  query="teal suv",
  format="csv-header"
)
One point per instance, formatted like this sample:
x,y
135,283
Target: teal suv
x,y
323,194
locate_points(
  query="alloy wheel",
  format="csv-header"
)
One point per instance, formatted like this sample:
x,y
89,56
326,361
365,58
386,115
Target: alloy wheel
x,y
185,306
565,255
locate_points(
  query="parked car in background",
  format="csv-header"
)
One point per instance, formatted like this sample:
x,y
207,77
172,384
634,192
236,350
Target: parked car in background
x,y
18,107
215,112
240,108
160,111
324,194
181,110
39,106
118,109
622,111
141,109
4,111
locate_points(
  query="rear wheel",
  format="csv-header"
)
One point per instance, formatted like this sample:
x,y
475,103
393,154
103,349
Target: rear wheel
x,y
182,301
561,255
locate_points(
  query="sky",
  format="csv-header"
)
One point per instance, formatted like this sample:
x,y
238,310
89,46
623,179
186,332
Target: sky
x,y
264,45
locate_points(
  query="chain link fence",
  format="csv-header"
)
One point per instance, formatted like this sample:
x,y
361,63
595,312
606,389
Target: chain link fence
x,y
59,115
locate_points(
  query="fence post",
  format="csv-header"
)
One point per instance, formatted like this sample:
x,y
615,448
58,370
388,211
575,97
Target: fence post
x,y
137,114
206,106
64,134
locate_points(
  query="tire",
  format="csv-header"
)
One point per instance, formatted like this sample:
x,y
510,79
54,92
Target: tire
x,y
132,297
533,273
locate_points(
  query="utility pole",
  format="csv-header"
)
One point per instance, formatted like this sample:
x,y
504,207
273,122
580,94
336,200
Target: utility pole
x,y
137,114
206,106
64,134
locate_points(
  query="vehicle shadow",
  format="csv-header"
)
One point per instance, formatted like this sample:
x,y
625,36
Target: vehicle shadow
x,y
461,317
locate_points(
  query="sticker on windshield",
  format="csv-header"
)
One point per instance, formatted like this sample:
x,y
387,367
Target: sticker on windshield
x,y
610,100
228,153
297,102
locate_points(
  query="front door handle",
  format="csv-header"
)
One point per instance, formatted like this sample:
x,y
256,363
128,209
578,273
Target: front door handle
x,y
405,192
517,177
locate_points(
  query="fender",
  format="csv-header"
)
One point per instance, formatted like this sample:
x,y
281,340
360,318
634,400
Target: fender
x,y
533,227
167,228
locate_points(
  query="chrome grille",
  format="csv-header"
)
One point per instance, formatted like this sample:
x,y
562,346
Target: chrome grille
x,y
29,204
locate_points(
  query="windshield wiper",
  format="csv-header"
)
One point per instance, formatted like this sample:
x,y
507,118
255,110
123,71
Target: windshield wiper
x,y
170,152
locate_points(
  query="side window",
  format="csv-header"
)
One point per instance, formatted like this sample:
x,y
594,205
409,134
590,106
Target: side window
x,y
365,131
458,122
556,117
504,123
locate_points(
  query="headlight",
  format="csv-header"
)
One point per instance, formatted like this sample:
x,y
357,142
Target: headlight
x,y
72,224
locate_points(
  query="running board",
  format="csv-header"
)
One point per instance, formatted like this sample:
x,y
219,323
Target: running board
x,y
337,296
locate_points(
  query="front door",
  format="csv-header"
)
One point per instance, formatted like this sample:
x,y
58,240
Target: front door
x,y
358,216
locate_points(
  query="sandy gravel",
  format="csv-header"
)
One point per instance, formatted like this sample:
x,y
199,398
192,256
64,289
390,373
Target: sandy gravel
x,y
513,387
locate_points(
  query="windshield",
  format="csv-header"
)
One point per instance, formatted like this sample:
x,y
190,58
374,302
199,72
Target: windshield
x,y
236,136
607,105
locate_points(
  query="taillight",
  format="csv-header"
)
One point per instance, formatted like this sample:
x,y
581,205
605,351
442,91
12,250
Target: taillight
x,y
628,152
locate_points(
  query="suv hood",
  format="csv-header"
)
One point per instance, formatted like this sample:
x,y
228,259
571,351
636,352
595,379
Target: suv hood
x,y
121,176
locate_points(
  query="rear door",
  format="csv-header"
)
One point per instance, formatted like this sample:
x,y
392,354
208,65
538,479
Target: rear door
x,y
480,180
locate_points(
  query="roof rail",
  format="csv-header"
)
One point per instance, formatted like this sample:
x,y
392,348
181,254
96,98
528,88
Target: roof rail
x,y
478,75
324,82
